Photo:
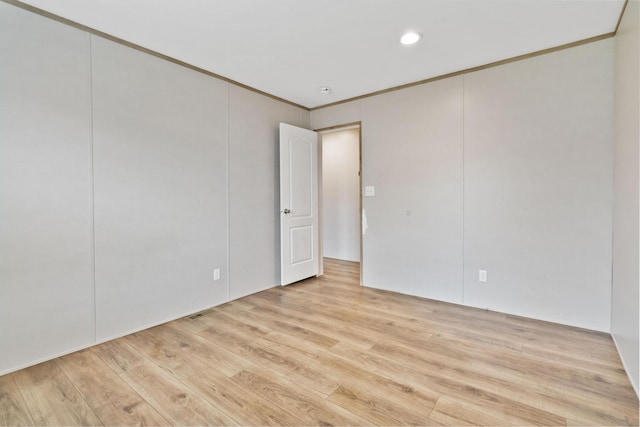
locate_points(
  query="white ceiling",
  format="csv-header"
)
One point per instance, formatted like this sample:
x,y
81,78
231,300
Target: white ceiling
x,y
290,48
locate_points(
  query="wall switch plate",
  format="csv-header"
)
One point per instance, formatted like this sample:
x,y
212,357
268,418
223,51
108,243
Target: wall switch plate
x,y
482,275
369,191
216,274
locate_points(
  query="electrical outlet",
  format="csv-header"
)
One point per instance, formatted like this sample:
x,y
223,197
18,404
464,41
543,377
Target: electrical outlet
x,y
216,274
482,275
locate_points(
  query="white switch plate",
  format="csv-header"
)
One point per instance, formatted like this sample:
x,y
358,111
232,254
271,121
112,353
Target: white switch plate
x,y
369,191
216,274
482,275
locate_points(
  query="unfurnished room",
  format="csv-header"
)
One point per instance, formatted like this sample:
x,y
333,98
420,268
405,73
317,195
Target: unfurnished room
x,y
323,212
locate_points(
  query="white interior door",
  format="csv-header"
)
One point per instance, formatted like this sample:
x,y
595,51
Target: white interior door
x,y
299,246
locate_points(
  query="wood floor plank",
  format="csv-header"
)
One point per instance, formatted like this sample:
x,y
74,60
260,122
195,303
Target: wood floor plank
x,y
247,409
289,325
13,409
426,350
212,355
454,413
343,370
572,377
181,352
369,320
310,408
172,399
327,351
451,382
559,399
605,354
52,398
512,378
521,387
153,349
319,323
233,333
117,355
287,363
572,359
243,344
110,397
371,404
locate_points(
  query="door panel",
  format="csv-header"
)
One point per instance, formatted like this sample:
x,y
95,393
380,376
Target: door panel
x,y
301,244
298,203
300,163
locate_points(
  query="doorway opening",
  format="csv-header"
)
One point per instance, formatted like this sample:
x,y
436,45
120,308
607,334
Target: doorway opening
x,y
340,201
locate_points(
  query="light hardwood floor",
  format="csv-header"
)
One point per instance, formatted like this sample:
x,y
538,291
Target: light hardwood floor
x,y
328,352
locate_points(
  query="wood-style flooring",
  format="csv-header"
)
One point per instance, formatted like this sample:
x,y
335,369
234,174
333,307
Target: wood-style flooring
x,y
329,352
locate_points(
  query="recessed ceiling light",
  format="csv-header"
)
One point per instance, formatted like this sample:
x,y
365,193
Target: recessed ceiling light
x,y
325,90
410,37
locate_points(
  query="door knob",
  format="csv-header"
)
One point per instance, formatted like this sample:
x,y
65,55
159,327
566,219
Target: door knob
x,y
286,211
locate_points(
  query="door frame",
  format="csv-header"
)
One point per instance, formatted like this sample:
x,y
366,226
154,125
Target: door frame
x,y
321,132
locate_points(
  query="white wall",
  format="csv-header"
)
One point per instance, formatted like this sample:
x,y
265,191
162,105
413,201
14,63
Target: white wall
x,y
341,194
254,188
46,278
412,154
178,169
160,180
522,155
625,302
537,186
